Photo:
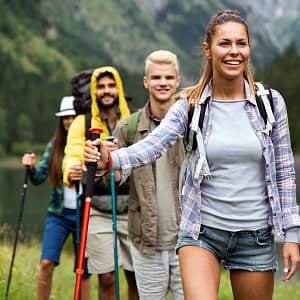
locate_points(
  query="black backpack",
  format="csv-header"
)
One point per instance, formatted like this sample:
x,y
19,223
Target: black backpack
x,y
81,91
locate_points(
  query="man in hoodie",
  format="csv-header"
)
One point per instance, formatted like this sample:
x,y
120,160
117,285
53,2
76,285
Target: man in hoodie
x,y
107,108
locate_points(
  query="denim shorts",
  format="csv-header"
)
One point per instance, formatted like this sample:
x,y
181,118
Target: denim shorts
x,y
57,229
242,250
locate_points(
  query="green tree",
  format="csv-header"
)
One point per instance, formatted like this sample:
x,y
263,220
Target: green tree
x,y
283,74
3,126
24,129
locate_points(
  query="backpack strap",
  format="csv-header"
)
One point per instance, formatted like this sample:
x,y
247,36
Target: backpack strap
x,y
194,141
88,120
132,127
190,136
265,106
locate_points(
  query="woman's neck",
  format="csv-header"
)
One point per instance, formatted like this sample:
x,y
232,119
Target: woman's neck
x,y
228,89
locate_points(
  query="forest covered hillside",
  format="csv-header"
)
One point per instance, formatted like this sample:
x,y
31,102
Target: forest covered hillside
x,y
43,43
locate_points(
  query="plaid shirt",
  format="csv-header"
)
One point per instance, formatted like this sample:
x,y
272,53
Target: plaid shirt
x,y
277,153
40,174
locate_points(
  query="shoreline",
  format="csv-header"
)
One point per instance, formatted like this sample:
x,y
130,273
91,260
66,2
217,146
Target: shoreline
x,y
11,163
16,163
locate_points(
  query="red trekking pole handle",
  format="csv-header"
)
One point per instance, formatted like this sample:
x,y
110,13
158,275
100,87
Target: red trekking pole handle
x,y
91,170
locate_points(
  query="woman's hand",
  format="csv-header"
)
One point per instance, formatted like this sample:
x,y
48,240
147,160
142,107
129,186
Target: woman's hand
x,y
291,260
92,154
28,159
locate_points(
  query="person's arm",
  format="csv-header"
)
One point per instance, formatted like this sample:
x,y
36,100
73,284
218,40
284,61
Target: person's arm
x,y
286,184
284,163
38,174
74,148
146,150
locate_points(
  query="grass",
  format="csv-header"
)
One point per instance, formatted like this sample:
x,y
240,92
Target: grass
x,y
282,291
23,281
24,274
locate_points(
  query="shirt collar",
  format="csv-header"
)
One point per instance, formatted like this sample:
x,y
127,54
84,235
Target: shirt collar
x,y
207,92
151,116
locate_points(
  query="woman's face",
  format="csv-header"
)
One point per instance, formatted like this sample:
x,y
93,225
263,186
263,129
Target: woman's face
x,y
230,51
67,121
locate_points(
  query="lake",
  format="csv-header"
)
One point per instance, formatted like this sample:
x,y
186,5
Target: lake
x,y
36,202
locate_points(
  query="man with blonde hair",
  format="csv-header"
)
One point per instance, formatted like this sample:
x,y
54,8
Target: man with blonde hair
x,y
153,208
161,57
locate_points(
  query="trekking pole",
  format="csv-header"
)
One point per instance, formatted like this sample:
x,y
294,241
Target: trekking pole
x,y
114,225
91,170
23,194
77,189
77,242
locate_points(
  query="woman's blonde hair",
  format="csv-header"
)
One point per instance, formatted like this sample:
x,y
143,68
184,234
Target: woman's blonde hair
x,y
194,92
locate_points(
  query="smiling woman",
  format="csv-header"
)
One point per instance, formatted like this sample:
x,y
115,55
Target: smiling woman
x,y
240,180
229,51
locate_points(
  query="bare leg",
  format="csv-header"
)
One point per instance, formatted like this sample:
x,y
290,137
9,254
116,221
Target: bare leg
x,y
132,288
85,288
45,279
107,286
252,285
200,272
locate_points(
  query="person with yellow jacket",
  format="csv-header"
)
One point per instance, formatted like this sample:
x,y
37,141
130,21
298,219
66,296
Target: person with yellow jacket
x,y
108,107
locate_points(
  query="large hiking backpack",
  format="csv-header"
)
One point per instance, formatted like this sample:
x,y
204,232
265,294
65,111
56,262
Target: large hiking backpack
x,y
81,91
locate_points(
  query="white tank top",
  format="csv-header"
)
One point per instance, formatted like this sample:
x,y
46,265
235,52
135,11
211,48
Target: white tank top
x,y
70,196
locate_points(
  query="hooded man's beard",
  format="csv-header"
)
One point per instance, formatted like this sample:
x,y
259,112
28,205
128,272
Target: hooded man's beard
x,y
101,105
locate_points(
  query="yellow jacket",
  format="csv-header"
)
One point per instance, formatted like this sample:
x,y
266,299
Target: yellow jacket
x,y
76,135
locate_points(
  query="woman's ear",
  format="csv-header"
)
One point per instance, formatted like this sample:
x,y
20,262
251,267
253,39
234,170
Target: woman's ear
x,y
206,50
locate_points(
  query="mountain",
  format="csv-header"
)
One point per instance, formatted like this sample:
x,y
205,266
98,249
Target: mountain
x,y
273,24
43,43
281,20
